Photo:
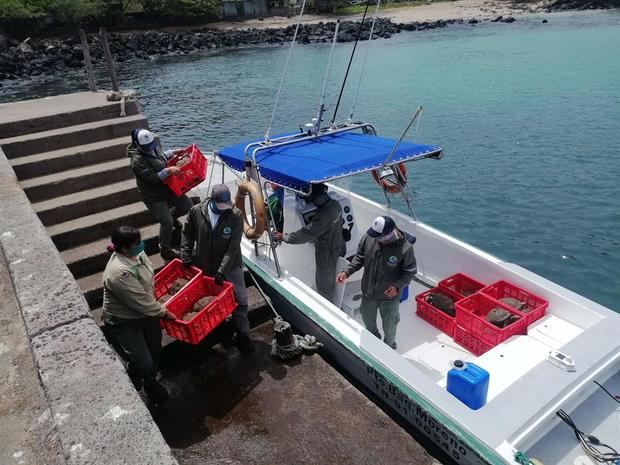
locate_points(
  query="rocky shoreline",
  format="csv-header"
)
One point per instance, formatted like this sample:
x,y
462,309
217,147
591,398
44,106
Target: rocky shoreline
x,y
580,5
20,60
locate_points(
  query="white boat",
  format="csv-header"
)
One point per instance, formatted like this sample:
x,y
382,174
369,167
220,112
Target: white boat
x,y
569,360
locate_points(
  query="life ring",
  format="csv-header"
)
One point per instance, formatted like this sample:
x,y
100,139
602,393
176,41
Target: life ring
x,y
391,182
255,230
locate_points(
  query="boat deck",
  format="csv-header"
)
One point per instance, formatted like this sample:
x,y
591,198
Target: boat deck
x,y
225,408
433,351
597,416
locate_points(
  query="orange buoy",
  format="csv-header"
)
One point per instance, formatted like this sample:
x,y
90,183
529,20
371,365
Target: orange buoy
x,y
254,229
391,179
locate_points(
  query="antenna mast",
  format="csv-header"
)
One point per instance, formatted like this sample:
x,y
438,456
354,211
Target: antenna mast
x,y
359,82
290,51
346,75
319,116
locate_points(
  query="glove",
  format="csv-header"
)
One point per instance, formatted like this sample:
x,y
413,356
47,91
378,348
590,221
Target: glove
x,y
218,278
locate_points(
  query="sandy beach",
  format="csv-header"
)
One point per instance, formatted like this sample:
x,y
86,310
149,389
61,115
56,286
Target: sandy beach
x,y
458,9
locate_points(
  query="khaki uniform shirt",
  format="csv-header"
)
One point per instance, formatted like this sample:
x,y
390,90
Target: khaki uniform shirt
x,y
128,291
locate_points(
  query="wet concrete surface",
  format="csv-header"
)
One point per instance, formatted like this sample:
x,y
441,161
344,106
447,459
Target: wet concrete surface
x,y
226,408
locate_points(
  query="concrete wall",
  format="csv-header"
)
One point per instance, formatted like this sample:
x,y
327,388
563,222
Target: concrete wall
x,y
98,416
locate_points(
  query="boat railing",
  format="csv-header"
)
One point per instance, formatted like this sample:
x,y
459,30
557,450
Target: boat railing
x,y
295,138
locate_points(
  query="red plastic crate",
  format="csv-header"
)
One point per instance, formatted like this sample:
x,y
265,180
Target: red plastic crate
x,y
192,173
194,330
470,313
170,273
535,306
470,342
433,315
462,284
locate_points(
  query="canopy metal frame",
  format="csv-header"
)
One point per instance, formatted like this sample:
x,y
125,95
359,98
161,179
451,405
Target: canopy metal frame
x,y
252,169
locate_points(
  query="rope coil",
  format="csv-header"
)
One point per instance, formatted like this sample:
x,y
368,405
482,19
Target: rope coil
x,y
286,345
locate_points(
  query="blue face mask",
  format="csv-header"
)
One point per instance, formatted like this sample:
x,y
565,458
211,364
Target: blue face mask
x,y
136,250
388,238
214,208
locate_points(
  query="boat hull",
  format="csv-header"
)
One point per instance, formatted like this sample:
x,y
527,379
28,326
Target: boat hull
x,y
386,394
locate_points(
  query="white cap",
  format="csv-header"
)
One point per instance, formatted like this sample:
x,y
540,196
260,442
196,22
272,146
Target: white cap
x,y
146,139
381,226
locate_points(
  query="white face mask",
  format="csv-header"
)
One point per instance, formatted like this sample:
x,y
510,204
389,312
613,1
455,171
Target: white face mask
x,y
388,238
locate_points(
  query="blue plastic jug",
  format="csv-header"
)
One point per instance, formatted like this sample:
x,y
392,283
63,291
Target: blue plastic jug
x,y
469,383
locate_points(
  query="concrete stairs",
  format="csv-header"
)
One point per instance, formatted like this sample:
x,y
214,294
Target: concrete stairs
x,y
56,139
73,168
54,161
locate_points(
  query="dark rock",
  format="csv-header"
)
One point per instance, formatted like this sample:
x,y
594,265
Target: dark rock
x,y
49,56
4,42
563,5
545,21
25,47
41,62
510,19
499,18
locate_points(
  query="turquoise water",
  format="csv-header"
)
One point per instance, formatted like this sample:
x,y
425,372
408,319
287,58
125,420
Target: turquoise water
x,y
528,115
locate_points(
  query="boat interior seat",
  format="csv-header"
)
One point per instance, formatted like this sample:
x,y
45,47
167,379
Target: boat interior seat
x,y
349,296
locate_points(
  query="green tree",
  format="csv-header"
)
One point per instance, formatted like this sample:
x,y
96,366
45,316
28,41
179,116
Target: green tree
x,y
74,11
18,9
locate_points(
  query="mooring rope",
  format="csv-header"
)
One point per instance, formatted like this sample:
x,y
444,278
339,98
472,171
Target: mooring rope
x,y
122,96
298,344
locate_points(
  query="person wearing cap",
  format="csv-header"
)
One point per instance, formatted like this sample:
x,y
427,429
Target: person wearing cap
x,y
130,312
211,240
387,255
325,231
149,165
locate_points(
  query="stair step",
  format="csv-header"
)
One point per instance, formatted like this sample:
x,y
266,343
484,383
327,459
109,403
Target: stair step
x,y
92,257
98,225
76,180
72,206
30,116
54,161
92,287
57,139
97,315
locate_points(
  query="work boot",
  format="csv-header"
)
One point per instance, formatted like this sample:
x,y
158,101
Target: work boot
x,y
156,392
169,254
136,380
393,345
228,334
244,343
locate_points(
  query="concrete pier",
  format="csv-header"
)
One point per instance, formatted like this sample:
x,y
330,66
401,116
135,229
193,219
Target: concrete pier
x,y
68,153
230,409
27,426
65,397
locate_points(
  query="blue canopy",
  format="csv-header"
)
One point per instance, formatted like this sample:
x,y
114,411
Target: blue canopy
x,y
330,156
